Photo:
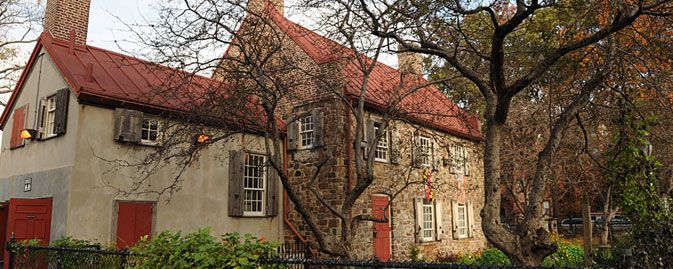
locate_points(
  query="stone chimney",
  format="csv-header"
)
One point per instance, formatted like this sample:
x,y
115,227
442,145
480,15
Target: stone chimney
x,y
410,63
63,16
257,6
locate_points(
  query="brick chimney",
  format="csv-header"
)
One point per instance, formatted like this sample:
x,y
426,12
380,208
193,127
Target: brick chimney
x,y
257,6
63,16
410,63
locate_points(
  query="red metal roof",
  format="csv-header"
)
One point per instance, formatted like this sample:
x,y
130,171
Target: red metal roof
x,y
386,84
106,77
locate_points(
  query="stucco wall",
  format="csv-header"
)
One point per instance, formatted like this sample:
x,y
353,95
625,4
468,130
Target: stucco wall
x,y
48,163
200,202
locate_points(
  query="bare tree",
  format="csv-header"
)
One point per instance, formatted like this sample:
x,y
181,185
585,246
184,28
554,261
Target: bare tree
x,y
19,24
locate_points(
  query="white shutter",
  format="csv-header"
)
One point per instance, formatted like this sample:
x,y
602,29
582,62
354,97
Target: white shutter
x,y
466,160
470,220
418,228
454,219
439,221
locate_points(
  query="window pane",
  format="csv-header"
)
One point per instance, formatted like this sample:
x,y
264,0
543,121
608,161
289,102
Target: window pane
x,y
253,181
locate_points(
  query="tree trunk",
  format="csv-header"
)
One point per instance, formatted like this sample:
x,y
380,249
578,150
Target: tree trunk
x,y
587,231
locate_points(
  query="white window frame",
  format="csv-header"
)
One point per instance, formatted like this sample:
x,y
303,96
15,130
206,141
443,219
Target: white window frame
x,y
49,117
382,151
261,179
428,217
147,141
462,221
306,134
425,144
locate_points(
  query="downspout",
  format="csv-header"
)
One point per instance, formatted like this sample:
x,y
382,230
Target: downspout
x,y
349,142
286,200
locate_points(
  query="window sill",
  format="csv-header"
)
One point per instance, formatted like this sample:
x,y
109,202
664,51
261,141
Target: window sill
x,y
381,160
149,143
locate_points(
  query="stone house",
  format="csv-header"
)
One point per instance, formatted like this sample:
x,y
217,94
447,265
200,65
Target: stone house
x,y
429,136
78,110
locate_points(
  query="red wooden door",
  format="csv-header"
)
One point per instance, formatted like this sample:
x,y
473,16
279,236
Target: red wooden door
x,y
134,220
381,229
29,219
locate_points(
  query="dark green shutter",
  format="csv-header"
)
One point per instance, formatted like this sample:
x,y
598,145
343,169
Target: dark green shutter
x,y
271,191
319,128
61,114
235,199
293,135
395,145
128,125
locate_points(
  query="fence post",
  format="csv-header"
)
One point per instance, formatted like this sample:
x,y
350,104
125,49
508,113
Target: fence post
x,y
122,264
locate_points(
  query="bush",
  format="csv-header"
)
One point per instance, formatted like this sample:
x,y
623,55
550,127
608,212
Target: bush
x,y
490,256
200,250
570,253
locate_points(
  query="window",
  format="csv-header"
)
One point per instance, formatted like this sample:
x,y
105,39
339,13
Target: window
x,y
458,160
461,220
428,221
425,150
306,132
254,185
49,117
381,153
149,131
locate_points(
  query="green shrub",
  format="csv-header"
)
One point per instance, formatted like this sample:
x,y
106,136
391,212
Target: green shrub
x,y
489,256
570,253
200,250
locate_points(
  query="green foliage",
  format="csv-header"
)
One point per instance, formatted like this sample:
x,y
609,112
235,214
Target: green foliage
x,y
201,250
415,253
490,256
633,171
570,253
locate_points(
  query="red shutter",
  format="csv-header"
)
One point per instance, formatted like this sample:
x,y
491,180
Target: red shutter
x,y
18,124
134,220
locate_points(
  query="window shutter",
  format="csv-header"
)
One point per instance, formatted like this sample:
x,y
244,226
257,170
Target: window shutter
x,y
61,115
293,135
235,199
40,118
452,161
370,136
18,124
271,191
439,221
416,150
466,160
454,219
395,146
433,157
128,125
319,128
470,220
418,208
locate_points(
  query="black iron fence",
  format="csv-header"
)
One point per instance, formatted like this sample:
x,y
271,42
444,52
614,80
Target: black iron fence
x,y
24,257
294,255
